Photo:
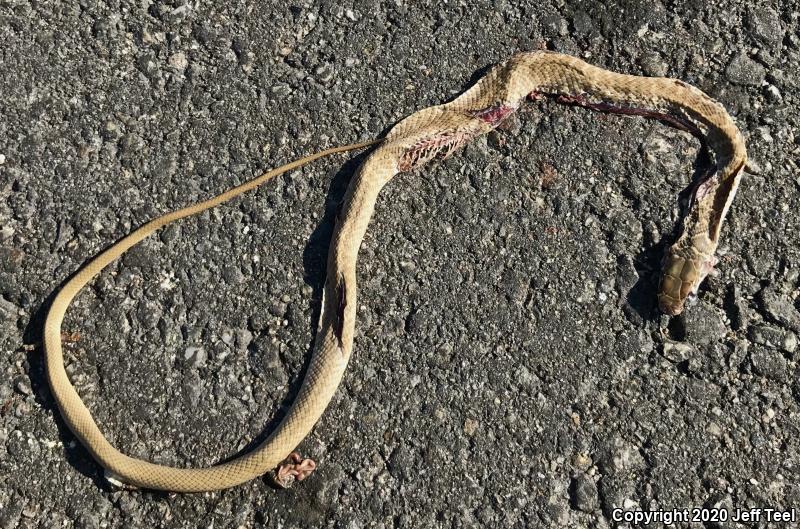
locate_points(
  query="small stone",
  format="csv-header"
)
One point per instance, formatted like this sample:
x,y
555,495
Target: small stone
x,y
721,503
704,325
5,390
778,308
22,409
495,140
324,73
769,363
111,131
23,387
195,356
583,493
627,275
88,520
765,24
240,48
9,313
772,93
620,455
192,388
789,343
470,427
653,65
558,513
131,143
408,266
745,71
281,90
2,159
582,24
554,25
401,463
232,274
243,339
257,322
773,337
737,309
148,64
766,335
677,352
178,61
277,309
582,461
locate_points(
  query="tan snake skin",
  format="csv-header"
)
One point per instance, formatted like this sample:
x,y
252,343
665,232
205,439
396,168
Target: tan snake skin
x,y
437,130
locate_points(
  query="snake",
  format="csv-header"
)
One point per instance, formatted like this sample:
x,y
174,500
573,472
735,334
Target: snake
x,y
434,132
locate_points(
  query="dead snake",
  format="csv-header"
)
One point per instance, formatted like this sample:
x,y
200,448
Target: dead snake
x,y
419,138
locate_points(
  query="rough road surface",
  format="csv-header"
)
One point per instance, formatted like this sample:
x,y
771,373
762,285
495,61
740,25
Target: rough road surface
x,y
510,366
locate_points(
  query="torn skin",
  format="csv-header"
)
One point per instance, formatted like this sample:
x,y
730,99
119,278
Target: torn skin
x,y
675,121
426,150
341,296
494,114
446,143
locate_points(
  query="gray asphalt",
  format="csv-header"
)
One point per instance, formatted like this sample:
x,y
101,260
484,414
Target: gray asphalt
x,y
510,367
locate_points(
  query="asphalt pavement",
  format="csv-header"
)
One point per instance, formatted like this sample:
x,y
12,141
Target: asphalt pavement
x,y
510,369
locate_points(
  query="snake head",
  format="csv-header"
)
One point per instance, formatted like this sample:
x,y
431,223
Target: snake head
x,y
681,278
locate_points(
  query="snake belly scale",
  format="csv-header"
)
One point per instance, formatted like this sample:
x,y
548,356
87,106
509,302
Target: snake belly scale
x,y
424,135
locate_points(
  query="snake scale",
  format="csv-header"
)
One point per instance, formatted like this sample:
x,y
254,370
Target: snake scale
x,y
414,141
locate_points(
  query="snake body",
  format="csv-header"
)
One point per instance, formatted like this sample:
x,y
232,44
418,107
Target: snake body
x,y
424,135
